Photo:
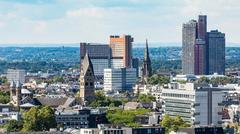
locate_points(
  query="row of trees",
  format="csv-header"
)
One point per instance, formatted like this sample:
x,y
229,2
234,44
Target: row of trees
x,y
102,101
219,80
153,80
173,124
120,117
36,119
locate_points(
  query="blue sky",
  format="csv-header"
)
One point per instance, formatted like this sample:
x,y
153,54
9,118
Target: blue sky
x,y
73,21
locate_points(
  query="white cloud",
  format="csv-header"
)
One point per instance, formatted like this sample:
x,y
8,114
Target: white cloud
x,y
87,12
80,20
2,24
40,26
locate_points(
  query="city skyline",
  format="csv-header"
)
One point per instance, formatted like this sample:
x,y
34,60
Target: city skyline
x,y
42,21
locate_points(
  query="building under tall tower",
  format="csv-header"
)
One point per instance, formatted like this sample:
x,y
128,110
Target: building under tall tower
x,y
121,48
86,80
216,49
147,68
100,55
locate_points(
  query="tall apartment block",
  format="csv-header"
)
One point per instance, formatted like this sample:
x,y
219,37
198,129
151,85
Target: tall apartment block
x,y
16,75
216,49
196,51
100,55
121,49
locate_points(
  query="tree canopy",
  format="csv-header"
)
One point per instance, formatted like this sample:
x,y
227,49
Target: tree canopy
x,y
125,117
101,101
39,119
173,124
146,98
4,97
153,80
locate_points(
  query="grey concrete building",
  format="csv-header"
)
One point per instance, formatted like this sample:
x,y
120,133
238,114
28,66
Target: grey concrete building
x,y
189,34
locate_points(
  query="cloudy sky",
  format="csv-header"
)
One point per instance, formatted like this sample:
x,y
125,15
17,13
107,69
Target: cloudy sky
x,y
72,21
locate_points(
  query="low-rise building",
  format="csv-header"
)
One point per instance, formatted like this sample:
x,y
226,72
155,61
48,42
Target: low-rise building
x,y
119,79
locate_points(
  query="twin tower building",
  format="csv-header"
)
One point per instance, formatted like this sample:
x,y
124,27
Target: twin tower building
x,y
203,52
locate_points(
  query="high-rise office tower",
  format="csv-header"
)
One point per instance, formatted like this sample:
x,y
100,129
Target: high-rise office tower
x,y
200,46
194,53
86,80
100,55
200,57
216,49
189,35
147,68
121,48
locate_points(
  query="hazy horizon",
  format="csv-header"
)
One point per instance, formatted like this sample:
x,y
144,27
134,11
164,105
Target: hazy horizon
x,y
135,45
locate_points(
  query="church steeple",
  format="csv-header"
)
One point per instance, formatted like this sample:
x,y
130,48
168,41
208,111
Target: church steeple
x,y
146,69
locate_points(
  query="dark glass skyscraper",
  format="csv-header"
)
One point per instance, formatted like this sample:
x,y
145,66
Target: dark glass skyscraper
x,y
216,49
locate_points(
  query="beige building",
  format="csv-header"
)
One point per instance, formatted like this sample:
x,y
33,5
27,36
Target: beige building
x,y
86,80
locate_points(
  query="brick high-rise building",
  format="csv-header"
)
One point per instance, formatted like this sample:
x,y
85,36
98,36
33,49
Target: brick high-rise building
x,y
121,48
194,53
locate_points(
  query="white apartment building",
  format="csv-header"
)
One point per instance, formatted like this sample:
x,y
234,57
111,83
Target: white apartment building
x,y
16,75
197,104
119,79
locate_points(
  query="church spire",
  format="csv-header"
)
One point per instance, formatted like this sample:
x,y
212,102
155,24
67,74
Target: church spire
x,y
146,69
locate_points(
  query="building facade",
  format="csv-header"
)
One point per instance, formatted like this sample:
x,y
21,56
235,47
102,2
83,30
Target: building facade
x,y
100,55
121,49
202,53
189,34
119,79
16,75
197,104
73,118
135,64
216,49
86,80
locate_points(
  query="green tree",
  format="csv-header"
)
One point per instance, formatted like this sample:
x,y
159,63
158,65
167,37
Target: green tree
x,y
102,101
146,98
14,126
158,80
125,117
203,80
4,97
58,79
39,119
3,81
46,114
173,124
